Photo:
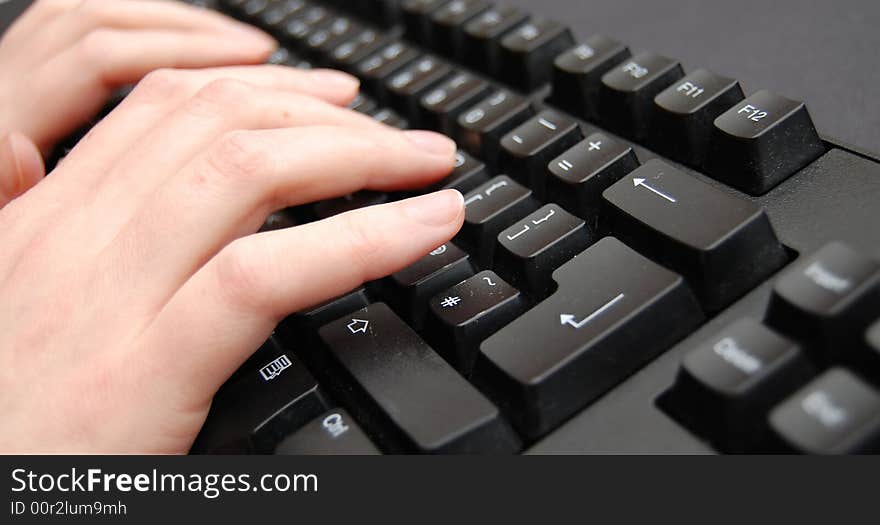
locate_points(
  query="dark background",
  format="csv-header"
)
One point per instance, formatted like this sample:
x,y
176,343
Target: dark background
x,y
826,52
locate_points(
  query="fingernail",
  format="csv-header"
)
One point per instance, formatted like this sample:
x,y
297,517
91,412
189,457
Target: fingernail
x,y
335,79
433,143
436,209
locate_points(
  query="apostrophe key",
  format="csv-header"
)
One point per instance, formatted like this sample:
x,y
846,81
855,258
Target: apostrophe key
x,y
837,413
762,141
579,175
827,299
529,251
526,54
723,244
686,111
626,96
481,127
402,384
577,74
526,150
489,209
613,311
726,387
469,312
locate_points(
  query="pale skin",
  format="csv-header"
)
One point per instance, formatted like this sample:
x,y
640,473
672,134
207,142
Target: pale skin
x,y
131,282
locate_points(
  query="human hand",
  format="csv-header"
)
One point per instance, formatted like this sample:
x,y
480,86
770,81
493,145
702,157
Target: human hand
x,y
131,281
62,59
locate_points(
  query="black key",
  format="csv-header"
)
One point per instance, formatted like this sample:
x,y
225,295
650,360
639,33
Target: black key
x,y
685,112
481,127
389,117
469,312
299,27
321,314
401,382
835,414
723,244
363,104
526,54
489,209
467,175
580,175
447,24
323,40
263,406
442,105
281,56
614,310
481,39
410,289
333,432
361,199
626,96
827,300
577,74
253,9
527,149
375,70
416,15
726,387
278,221
347,55
531,249
406,87
273,18
871,353
762,141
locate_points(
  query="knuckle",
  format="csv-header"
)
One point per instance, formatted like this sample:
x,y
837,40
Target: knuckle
x,y
237,156
222,93
240,276
159,84
93,46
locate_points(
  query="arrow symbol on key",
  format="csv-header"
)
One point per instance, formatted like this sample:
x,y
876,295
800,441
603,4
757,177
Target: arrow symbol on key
x,y
568,319
641,182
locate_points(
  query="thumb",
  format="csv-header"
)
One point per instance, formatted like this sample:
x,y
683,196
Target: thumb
x,y
21,166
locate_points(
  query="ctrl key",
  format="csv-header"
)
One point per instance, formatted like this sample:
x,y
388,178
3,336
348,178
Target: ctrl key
x,y
333,432
837,413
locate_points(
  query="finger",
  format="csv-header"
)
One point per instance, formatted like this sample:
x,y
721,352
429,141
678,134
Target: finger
x,y
35,17
107,59
232,304
63,31
21,166
162,92
228,190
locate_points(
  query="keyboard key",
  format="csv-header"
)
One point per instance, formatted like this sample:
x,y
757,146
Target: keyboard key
x,y
254,9
627,92
347,54
481,127
489,209
726,387
389,117
333,432
835,414
762,141
361,199
827,300
526,54
375,70
482,36
323,40
531,249
406,87
260,408
577,74
321,314
613,311
299,27
363,104
447,24
579,175
466,176
278,221
685,112
527,149
403,384
411,288
723,244
416,15
469,312
273,18
442,105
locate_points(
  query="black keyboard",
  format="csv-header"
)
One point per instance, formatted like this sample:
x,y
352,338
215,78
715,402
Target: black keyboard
x,y
653,259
